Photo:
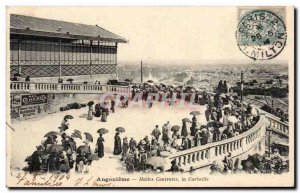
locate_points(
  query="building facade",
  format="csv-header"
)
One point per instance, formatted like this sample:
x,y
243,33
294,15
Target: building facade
x,y
44,49
51,51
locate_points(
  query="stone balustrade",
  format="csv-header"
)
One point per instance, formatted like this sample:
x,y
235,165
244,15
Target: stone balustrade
x,y
68,88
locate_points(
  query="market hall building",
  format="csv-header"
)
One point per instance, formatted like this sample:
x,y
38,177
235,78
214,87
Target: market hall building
x,y
51,51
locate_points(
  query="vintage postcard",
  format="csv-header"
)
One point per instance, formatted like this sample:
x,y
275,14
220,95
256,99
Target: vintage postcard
x,y
156,97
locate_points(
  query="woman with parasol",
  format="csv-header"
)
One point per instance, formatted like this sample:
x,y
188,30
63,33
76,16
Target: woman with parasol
x,y
64,124
118,142
175,130
184,131
100,146
90,112
104,113
194,122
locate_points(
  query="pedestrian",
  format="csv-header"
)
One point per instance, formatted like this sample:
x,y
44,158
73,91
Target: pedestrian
x,y
104,116
112,103
143,160
184,145
184,131
125,148
53,162
64,125
35,162
100,146
117,144
207,114
197,138
156,132
193,127
165,133
132,144
130,163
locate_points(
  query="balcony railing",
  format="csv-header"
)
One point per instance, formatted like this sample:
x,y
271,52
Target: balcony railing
x,y
277,126
205,155
31,87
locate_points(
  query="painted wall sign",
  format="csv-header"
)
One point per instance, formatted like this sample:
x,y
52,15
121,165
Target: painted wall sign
x,y
33,99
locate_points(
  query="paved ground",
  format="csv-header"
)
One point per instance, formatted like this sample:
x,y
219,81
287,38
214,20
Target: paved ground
x,y
138,123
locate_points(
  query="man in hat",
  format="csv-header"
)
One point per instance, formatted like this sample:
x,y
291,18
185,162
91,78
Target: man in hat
x,y
156,132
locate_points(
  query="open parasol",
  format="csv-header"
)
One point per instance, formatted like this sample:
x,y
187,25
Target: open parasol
x,y
90,103
69,117
186,120
54,148
76,135
51,133
195,113
102,131
77,131
175,128
120,129
88,136
156,161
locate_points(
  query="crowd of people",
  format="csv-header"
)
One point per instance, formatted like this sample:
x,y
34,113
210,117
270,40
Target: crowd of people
x,y
225,117
256,163
59,152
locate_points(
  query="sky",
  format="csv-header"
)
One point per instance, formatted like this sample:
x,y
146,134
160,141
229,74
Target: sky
x,y
166,35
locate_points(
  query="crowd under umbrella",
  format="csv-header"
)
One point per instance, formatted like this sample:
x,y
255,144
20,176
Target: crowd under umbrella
x,y
102,131
51,133
120,129
195,113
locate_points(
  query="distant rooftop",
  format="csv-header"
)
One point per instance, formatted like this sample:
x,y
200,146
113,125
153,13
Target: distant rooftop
x,y
21,24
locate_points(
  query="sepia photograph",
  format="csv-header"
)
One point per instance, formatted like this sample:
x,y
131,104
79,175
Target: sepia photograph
x,y
150,97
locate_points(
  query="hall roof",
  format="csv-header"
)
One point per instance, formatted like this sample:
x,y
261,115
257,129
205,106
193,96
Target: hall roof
x,y
28,25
